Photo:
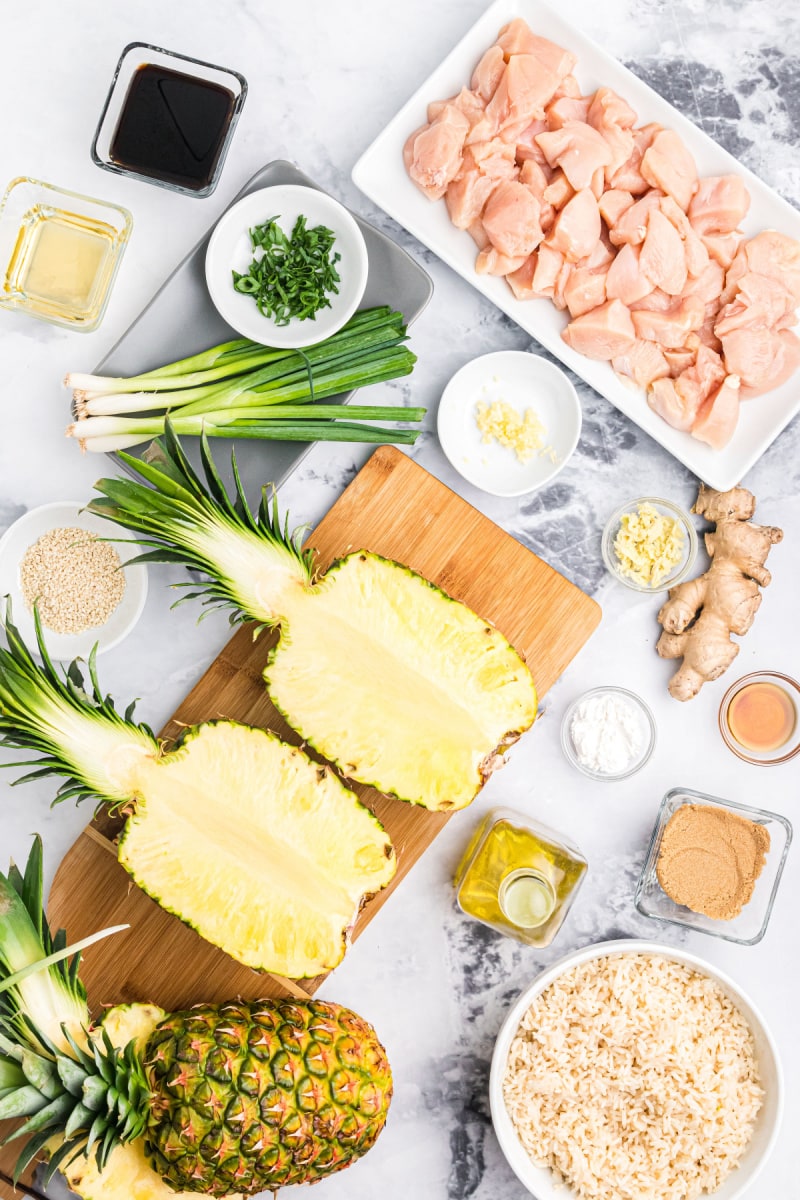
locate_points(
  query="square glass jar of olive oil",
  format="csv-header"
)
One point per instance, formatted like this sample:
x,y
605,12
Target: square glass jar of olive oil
x,y
59,253
519,877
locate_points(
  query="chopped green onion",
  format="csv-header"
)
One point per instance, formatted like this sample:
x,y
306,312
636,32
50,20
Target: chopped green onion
x,y
294,276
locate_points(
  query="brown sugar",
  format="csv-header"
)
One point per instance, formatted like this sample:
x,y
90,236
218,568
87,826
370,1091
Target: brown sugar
x,y
710,859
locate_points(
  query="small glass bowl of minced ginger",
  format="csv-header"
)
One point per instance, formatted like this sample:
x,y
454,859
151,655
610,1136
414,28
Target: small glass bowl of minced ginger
x,y
649,544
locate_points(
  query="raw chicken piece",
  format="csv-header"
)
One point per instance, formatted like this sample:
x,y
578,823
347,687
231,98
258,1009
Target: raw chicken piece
x,y
469,103
598,184
518,38
667,403
643,363
669,328
466,196
612,205
695,251
548,265
601,257
560,286
722,247
626,281
492,262
629,175
488,73
478,234
719,414
567,108
576,230
707,285
525,89
527,147
584,290
759,303
569,86
604,333
668,165
657,301
511,219
521,280
719,204
433,154
679,360
494,158
559,190
632,225
787,362
534,177
773,254
662,258
613,118
578,149
679,400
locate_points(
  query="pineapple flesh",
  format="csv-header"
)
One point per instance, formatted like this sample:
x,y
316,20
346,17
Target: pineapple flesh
x,y
395,683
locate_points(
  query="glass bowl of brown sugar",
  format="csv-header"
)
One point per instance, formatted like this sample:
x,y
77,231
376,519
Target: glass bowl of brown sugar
x,y
714,866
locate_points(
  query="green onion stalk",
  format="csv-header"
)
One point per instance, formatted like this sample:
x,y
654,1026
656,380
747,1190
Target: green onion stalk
x,y
243,389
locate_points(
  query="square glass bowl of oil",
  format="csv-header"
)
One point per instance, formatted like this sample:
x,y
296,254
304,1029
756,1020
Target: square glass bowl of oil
x,y
168,119
519,877
59,253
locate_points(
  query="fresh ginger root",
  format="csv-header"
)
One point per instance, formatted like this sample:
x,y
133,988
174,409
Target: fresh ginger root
x,y
701,614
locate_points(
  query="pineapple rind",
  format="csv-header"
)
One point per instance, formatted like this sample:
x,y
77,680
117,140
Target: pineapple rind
x,y
434,693
276,876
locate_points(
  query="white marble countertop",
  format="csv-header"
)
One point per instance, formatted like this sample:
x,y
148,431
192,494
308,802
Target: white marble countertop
x,y
323,80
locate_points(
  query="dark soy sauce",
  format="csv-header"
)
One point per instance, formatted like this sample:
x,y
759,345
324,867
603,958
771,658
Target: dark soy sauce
x,y
172,126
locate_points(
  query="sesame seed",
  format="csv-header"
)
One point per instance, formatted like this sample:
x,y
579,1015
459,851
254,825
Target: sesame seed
x,y
74,579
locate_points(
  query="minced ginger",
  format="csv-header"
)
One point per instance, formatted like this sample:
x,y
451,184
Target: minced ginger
x,y
523,433
648,545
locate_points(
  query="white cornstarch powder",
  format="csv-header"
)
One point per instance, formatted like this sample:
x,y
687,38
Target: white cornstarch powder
x,y
607,733
73,578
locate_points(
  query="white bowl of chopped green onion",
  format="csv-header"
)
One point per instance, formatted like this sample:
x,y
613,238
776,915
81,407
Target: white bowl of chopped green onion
x,y
58,559
286,266
509,422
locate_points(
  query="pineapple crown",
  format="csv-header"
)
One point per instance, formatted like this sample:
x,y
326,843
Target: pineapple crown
x,y
75,1100
42,711
202,527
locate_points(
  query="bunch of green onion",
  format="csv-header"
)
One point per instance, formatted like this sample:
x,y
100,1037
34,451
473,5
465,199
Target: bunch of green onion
x,y
243,389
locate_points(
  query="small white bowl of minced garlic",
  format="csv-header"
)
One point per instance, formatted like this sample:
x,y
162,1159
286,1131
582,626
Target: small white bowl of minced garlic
x,y
57,558
649,544
509,422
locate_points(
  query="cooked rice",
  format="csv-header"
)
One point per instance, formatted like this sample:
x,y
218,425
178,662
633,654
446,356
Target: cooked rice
x,y
634,1078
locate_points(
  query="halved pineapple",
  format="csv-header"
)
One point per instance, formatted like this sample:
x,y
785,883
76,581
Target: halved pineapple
x,y
397,684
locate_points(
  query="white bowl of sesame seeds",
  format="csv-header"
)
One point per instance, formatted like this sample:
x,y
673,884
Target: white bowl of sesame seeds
x,y
88,593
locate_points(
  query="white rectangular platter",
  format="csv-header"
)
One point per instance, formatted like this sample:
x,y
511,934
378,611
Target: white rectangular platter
x,y
381,175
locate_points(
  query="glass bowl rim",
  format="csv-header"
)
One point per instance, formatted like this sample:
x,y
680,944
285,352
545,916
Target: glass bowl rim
x,y
730,741
566,736
124,212
611,525
710,801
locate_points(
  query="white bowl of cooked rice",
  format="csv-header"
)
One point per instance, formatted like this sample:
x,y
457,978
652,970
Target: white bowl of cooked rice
x,y
630,1070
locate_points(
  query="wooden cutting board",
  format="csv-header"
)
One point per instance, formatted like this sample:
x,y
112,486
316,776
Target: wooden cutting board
x,y
395,508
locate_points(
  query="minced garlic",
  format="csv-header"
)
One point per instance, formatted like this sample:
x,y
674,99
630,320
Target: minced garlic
x,y
648,545
523,433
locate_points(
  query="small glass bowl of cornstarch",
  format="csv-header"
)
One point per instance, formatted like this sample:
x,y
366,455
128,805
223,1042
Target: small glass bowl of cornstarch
x,y
59,560
608,733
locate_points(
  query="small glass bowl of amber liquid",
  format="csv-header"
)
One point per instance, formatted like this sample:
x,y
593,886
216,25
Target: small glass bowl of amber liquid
x,y
59,253
758,718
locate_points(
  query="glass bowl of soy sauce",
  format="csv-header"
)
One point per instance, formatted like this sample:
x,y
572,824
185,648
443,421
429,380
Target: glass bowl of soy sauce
x,y
168,119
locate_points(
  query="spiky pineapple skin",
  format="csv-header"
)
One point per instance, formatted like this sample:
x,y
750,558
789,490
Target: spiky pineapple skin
x,y
253,1096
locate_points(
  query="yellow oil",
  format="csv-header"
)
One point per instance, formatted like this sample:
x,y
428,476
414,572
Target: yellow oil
x,y
61,264
518,877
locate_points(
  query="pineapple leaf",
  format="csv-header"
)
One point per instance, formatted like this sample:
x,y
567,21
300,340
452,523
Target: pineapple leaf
x,y
29,1153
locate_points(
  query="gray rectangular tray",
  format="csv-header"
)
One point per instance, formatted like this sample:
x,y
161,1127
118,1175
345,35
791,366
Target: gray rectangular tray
x,y
181,320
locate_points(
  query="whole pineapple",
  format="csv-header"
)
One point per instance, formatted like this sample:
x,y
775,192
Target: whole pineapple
x,y
224,1099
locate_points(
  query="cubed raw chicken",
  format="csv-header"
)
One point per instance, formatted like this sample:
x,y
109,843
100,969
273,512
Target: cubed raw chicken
x,y
518,38
611,116
786,363
569,86
526,145
769,253
483,166
762,358
548,265
612,205
604,333
632,224
718,416
566,108
679,400
559,190
668,165
629,176
643,363
584,290
695,251
576,230
491,261
524,91
488,73
707,285
578,149
722,247
511,219
719,205
626,281
468,102
521,280
662,258
433,154
669,328
679,360
759,303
